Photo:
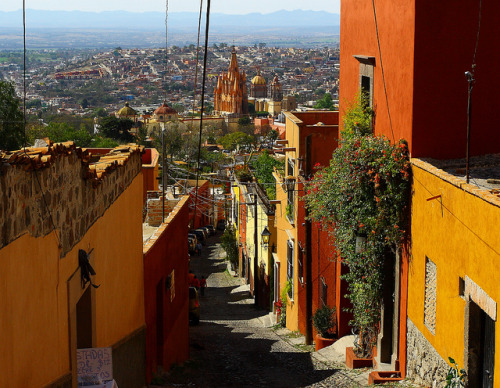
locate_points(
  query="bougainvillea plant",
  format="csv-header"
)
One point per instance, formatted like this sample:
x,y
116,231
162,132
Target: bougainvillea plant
x,y
364,193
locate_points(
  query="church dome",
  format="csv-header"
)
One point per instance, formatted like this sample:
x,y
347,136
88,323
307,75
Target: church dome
x,y
127,111
258,80
164,109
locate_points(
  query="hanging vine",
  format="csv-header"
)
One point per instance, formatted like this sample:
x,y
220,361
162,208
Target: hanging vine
x,y
364,194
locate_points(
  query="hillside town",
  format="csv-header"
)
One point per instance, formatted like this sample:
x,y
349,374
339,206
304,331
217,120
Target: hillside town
x,y
91,80
313,218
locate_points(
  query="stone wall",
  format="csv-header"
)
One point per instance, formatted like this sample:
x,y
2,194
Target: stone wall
x,y
424,365
66,190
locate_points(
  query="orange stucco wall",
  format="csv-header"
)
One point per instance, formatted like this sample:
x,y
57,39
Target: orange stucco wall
x,y
458,232
34,323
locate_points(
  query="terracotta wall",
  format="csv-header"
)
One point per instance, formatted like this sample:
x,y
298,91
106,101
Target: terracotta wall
x,y
396,26
164,253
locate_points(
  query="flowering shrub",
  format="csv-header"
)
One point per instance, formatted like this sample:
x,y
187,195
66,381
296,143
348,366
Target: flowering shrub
x,y
243,173
363,192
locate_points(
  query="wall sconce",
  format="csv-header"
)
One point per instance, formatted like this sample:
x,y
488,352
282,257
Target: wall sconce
x,y
266,234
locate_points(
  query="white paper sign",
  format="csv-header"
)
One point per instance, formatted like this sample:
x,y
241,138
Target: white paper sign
x,y
94,366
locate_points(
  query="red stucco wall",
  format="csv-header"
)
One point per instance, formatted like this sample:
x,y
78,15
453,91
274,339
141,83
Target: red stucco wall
x,y
169,253
444,46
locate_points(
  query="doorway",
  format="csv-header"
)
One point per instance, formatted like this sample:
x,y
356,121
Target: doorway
x,y
84,320
480,348
387,337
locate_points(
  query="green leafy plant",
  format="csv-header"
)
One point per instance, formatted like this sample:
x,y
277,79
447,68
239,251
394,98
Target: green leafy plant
x,y
324,321
455,377
263,167
364,191
230,244
282,302
289,211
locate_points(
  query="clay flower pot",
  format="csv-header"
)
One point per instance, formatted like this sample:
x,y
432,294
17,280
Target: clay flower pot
x,y
353,362
322,342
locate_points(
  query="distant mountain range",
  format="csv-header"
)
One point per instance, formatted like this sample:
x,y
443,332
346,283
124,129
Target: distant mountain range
x,y
178,21
76,29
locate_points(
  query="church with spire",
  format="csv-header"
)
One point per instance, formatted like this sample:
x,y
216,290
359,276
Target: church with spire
x,y
230,94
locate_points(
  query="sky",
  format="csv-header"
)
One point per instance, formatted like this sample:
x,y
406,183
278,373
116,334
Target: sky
x,y
217,6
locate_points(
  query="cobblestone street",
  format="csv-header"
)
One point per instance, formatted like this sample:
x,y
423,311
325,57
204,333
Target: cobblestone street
x,y
234,345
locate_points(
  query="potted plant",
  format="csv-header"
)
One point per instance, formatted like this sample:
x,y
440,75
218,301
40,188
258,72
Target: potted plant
x,y
325,325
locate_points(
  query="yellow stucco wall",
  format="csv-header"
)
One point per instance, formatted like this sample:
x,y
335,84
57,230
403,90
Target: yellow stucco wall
x,y
282,226
459,233
34,318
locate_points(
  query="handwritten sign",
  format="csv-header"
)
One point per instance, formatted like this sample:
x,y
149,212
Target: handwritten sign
x,y
94,366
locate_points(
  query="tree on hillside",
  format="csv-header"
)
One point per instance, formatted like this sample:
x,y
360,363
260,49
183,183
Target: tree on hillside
x,y
325,102
11,118
236,139
60,132
118,129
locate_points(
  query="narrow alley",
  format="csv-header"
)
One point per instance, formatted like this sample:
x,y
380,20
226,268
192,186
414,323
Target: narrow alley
x,y
234,344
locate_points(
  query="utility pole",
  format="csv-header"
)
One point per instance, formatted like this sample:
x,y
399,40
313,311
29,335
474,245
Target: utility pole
x,y
470,81
163,171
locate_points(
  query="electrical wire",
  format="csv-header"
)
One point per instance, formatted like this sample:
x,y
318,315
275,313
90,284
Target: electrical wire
x,y
197,62
205,55
166,48
35,174
477,36
383,73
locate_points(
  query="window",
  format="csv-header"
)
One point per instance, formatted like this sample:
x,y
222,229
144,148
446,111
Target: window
x,y
430,295
366,66
290,204
291,167
289,272
324,292
301,264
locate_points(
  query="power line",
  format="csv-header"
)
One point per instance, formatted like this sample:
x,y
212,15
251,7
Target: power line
x,y
205,55
24,128
383,73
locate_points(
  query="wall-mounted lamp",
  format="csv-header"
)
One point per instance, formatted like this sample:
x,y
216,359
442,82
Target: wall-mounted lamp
x,y
266,234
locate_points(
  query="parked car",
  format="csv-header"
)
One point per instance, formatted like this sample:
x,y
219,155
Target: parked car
x,y
205,232
194,306
211,229
221,225
199,235
194,237
191,244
